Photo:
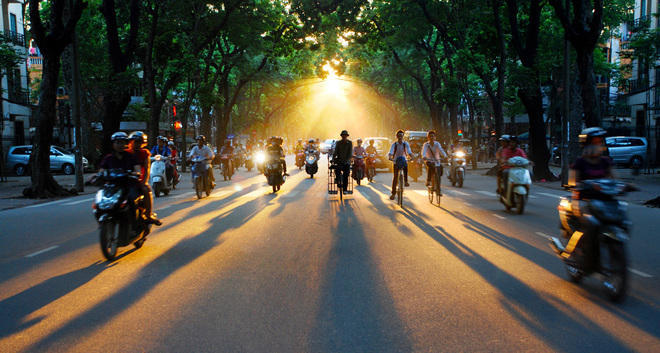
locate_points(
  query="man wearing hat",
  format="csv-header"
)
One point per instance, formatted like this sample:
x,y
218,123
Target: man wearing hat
x,y
342,156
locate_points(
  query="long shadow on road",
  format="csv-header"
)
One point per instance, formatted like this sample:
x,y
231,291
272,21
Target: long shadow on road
x,y
357,310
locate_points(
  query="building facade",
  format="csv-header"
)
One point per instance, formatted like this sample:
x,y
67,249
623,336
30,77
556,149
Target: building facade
x,y
15,107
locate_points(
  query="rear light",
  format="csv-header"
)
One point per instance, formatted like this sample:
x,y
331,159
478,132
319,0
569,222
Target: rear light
x,y
124,203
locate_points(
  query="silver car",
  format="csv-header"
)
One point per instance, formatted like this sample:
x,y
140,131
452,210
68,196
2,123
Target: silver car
x,y
62,160
628,150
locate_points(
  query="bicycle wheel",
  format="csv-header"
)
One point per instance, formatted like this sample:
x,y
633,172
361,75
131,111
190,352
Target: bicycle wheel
x,y
400,190
430,189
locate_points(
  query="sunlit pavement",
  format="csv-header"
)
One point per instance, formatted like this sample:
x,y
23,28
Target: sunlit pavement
x,y
246,270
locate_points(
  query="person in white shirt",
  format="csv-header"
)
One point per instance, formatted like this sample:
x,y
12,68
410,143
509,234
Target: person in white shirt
x,y
205,151
431,152
399,154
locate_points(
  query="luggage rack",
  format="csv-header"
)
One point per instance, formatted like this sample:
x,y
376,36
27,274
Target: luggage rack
x,y
333,188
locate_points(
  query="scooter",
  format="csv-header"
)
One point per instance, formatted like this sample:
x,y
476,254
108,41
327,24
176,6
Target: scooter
x,y
249,163
358,168
226,166
371,166
158,175
311,163
274,173
415,166
300,159
200,176
515,189
121,218
260,158
597,239
457,168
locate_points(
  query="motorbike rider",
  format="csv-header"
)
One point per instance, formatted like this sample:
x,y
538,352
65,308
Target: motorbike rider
x,y
173,160
201,149
432,151
511,151
359,150
300,148
504,143
371,149
138,142
399,153
228,150
120,158
275,151
310,146
342,155
162,149
590,165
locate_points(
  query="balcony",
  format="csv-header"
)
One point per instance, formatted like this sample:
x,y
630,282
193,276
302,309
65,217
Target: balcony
x,y
36,62
14,38
18,96
636,86
639,23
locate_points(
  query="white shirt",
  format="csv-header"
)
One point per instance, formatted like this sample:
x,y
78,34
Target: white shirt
x,y
205,151
434,151
402,149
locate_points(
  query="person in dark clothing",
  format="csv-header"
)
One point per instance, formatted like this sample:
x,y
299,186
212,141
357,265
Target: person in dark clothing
x,y
342,156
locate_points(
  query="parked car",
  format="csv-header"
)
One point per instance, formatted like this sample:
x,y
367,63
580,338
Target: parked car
x,y
382,145
627,150
62,160
328,145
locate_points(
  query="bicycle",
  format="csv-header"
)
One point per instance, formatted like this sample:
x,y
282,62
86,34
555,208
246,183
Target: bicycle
x,y
335,185
400,186
435,191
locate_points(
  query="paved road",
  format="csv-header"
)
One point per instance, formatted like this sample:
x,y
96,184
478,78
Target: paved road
x,y
247,270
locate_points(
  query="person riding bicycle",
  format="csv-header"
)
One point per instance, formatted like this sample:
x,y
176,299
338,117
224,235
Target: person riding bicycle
x,y
201,149
342,156
432,151
399,153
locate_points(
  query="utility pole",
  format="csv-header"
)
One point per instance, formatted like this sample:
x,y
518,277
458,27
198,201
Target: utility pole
x,y
565,132
75,108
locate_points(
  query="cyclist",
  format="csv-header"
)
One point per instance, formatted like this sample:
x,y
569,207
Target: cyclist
x,y
432,151
399,153
342,156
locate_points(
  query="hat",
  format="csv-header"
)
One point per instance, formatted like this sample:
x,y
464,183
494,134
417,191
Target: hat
x,y
344,132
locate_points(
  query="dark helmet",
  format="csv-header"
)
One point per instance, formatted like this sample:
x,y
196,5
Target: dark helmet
x,y
272,138
513,138
119,136
504,138
201,137
311,141
589,133
138,136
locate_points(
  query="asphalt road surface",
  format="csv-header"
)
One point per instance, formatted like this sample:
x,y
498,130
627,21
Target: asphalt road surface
x,y
245,270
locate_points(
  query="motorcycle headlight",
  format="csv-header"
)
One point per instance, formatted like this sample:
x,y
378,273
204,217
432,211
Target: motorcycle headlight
x,y
310,159
460,154
107,202
261,157
158,157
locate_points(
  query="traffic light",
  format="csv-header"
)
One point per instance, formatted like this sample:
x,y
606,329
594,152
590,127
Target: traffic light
x,y
177,125
173,110
460,133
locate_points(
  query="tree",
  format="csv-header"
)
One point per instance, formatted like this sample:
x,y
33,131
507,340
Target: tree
x,y
52,37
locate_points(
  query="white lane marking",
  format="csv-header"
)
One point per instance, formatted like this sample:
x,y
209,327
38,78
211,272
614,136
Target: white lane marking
x,y
456,192
534,197
549,195
467,204
498,216
543,235
47,204
487,193
42,251
77,202
640,273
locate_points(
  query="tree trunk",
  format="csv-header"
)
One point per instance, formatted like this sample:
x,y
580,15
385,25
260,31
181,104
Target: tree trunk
x,y
43,183
590,101
539,153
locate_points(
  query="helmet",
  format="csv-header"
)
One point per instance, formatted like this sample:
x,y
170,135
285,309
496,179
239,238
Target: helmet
x,y
589,133
311,141
164,139
513,138
227,142
299,140
272,138
119,136
171,143
138,136
359,140
201,137
504,138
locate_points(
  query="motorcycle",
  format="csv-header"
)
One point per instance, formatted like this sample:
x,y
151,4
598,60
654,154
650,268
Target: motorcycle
x,y
606,231
226,166
415,166
371,166
260,158
515,190
456,172
200,176
311,163
122,219
358,168
249,163
158,175
238,160
274,173
300,159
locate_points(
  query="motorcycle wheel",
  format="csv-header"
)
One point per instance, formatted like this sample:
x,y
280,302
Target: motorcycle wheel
x,y
199,188
109,239
166,192
574,274
617,281
208,189
460,181
138,244
157,189
520,203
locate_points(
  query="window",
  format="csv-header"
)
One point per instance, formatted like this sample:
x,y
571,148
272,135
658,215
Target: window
x,y
637,142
